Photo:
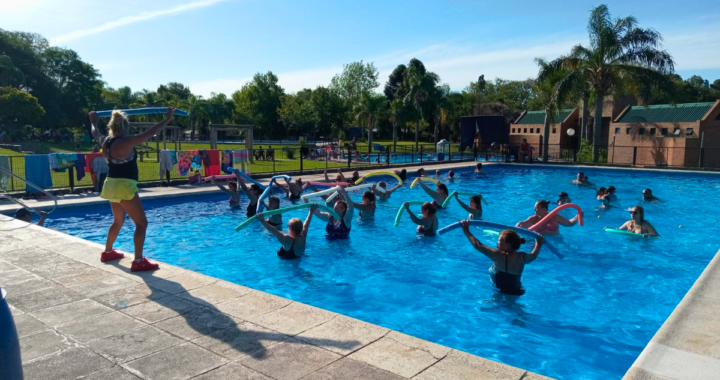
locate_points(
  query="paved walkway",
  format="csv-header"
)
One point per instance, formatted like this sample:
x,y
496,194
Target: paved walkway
x,y
80,318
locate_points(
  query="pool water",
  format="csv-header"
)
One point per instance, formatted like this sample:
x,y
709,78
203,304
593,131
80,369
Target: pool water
x,y
587,316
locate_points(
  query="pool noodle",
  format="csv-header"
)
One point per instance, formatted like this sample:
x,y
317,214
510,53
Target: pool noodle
x,y
555,212
320,193
399,213
418,179
470,194
317,183
246,178
142,111
482,223
284,210
227,176
623,232
379,173
268,190
358,187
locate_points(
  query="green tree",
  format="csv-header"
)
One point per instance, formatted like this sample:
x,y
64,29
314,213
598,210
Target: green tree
x,y
397,117
546,91
259,101
9,74
370,108
328,111
17,110
356,79
296,113
394,82
620,53
418,86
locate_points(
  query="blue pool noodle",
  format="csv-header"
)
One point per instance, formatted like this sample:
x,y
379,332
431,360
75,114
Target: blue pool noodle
x,y
248,179
268,189
482,223
142,111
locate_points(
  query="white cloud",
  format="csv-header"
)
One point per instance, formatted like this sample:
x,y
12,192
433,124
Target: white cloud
x,y
695,51
127,20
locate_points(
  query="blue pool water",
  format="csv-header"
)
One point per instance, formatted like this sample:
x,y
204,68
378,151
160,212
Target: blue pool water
x,y
587,316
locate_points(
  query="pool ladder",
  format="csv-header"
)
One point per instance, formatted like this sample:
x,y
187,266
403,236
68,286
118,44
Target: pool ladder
x,y
12,199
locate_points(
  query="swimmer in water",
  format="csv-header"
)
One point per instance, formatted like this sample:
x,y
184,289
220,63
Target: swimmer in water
x,y
273,204
478,167
600,194
232,191
338,229
26,216
563,199
638,224
451,176
611,192
421,173
550,227
475,208
428,224
649,197
439,195
579,180
293,244
293,189
437,173
605,203
401,173
508,263
386,195
253,193
367,207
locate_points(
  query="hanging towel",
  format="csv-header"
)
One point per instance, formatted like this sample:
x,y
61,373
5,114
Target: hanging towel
x,y
37,171
4,177
205,157
61,161
240,160
214,167
184,161
80,165
196,164
89,159
227,161
166,162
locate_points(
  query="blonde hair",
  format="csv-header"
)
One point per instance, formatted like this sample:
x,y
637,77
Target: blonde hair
x,y
295,225
118,124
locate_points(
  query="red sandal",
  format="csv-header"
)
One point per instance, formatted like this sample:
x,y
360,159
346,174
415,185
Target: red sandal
x,y
112,255
143,265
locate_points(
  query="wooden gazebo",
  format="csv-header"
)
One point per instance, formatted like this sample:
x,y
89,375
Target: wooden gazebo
x,y
248,129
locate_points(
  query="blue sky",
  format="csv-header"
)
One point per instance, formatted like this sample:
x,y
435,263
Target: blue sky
x,y
217,45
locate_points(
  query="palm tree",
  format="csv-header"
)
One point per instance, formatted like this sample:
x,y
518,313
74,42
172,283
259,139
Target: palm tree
x,y
419,87
370,107
441,105
619,53
546,89
397,108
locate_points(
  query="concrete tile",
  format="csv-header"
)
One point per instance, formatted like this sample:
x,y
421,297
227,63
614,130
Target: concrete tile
x,y
203,321
83,273
161,309
99,326
343,334
293,318
290,360
240,340
346,368
535,376
44,299
114,373
16,276
232,371
26,324
42,344
458,365
70,312
15,311
6,266
394,357
67,365
134,295
134,344
214,293
30,285
636,373
184,283
10,244
178,363
34,257
122,268
253,304
436,350
64,273
107,284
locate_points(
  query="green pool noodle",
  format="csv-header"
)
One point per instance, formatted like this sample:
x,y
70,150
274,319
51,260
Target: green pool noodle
x,y
399,213
626,233
471,194
284,210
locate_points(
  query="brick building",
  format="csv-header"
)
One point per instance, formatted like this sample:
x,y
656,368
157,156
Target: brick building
x,y
529,125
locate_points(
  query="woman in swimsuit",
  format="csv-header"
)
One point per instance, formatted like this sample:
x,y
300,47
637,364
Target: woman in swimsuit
x,y
293,244
121,183
274,204
552,226
600,194
401,173
386,195
253,193
563,199
508,263
638,224
367,207
338,229
428,224
293,190
611,192
234,200
475,208
439,195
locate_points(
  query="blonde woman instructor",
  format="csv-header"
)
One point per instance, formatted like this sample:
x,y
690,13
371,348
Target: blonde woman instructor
x,y
120,187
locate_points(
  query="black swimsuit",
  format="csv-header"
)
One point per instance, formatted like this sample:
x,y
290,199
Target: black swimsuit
x,y
288,254
251,210
507,283
274,224
294,197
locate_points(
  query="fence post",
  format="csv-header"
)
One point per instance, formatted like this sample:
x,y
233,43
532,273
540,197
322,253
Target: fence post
x,y
634,155
274,160
421,153
387,161
72,179
301,162
574,156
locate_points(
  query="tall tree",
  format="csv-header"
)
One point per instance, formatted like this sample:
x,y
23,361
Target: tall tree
x,y
328,111
397,116
418,85
9,74
546,90
370,107
394,82
259,101
18,109
619,53
356,79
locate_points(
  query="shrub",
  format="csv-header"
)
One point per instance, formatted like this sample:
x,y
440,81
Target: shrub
x,y
290,154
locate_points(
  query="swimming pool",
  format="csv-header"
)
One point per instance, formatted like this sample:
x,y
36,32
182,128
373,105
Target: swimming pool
x,y
587,316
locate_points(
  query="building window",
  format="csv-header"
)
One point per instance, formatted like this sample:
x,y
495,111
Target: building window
x,y
513,130
689,132
642,131
677,131
554,130
652,131
628,131
664,131
617,131
525,130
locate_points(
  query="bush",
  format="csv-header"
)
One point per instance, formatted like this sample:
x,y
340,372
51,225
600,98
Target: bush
x,y
290,154
586,153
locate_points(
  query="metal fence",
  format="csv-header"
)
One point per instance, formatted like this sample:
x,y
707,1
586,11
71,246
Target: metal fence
x,y
636,156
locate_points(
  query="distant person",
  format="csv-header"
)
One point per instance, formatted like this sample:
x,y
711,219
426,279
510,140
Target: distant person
x,y
648,196
638,224
600,194
428,224
478,167
563,198
95,149
508,263
252,192
270,155
367,207
293,243
605,203
388,192
551,226
421,172
451,175
26,216
401,173
293,190
437,173
353,145
232,191
475,207
439,195
525,151
611,192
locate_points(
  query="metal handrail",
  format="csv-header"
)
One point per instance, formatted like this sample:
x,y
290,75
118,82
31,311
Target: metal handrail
x,y
5,196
